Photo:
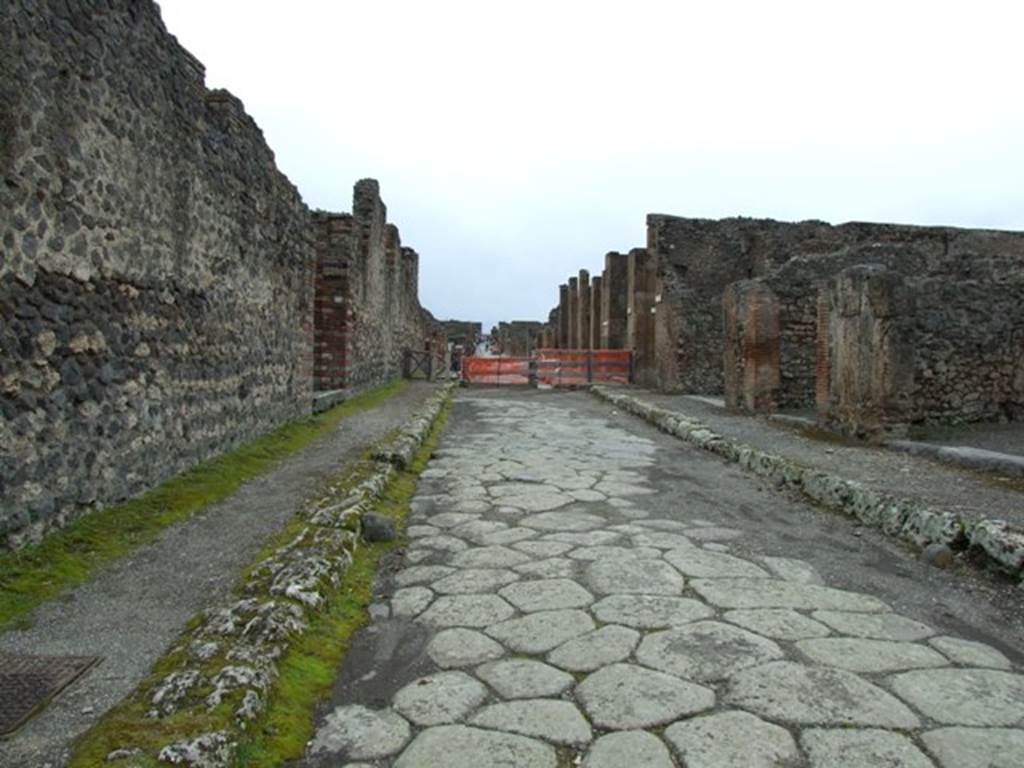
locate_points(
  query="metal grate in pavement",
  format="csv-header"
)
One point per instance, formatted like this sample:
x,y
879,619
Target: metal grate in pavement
x,y
27,683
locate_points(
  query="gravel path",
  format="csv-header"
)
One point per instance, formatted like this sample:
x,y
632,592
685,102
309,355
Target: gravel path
x,y
974,495
130,613
580,588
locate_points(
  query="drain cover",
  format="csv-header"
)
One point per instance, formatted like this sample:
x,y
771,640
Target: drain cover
x,y
27,683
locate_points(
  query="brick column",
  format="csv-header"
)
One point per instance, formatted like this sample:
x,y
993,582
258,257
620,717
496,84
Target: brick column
x,y
595,312
750,319
640,317
583,311
574,314
563,317
614,300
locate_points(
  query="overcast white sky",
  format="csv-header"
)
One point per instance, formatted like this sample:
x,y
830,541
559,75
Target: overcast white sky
x,y
517,142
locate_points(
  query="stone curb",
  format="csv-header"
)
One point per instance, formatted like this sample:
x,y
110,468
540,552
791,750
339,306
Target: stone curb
x,y
901,518
236,646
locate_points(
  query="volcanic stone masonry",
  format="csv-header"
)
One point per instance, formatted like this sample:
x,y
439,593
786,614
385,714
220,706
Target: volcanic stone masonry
x,y
879,326
158,272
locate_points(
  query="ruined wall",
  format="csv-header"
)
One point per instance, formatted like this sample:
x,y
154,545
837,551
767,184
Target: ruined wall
x,y
464,332
156,277
518,338
614,301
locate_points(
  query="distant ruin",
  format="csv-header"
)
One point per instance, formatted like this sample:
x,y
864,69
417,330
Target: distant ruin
x,y
876,326
165,293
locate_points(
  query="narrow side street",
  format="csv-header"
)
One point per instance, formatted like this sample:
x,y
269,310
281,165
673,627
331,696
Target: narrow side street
x,y
581,589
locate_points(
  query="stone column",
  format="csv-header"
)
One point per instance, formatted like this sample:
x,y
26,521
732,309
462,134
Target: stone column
x,y
750,317
872,352
563,317
823,357
574,314
640,316
583,314
595,312
614,300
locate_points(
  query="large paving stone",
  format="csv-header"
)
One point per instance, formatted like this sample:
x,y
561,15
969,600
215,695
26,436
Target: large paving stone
x,y
474,580
508,536
462,648
489,557
619,490
970,653
524,678
699,563
445,697
537,501
551,568
503,490
793,693
778,623
475,530
613,552
588,539
866,748
649,611
546,595
452,519
712,533
983,697
558,722
705,651
977,747
596,649
466,611
880,626
661,524
540,632
421,574
458,746
645,577
636,749
626,696
543,548
863,655
410,601
772,593
660,540
360,733
790,569
731,740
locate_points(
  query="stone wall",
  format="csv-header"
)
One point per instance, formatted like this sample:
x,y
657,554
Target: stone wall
x,y
156,279
466,333
517,338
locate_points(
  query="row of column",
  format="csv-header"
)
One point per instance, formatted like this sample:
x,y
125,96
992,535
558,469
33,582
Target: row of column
x,y
593,312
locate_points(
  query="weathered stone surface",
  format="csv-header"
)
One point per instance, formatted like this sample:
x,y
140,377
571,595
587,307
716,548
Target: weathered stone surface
x,y
541,631
731,740
792,693
411,601
552,568
452,519
699,563
661,540
712,533
524,678
625,696
445,697
769,593
462,648
378,528
865,655
867,748
458,746
466,611
614,552
977,747
508,536
705,651
473,581
442,543
596,649
970,653
880,626
543,548
589,539
648,577
778,623
489,557
790,569
649,611
981,697
556,721
421,574
636,749
546,595
360,733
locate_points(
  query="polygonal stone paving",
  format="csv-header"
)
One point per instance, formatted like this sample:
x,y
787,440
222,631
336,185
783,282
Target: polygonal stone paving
x,y
637,577
731,740
361,733
524,678
542,631
625,696
697,562
546,595
596,649
474,580
881,626
462,648
456,746
862,655
977,747
778,623
770,593
558,722
649,611
983,697
442,698
705,651
636,749
867,748
970,653
466,611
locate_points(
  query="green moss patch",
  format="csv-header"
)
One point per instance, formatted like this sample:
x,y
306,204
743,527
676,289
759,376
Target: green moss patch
x,y
70,556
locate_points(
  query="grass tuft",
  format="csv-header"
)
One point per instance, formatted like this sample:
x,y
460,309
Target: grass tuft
x,y
70,556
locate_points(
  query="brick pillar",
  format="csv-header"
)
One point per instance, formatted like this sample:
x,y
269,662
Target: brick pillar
x,y
872,352
614,300
823,357
574,314
583,312
563,317
750,318
595,312
640,314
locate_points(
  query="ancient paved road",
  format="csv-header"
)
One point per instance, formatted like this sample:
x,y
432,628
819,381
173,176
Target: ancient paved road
x,y
581,589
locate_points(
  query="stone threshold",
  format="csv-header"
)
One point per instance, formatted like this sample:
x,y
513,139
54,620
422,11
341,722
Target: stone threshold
x,y
901,518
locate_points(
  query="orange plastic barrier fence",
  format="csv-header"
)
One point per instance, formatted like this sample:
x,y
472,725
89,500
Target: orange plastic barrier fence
x,y
496,370
567,367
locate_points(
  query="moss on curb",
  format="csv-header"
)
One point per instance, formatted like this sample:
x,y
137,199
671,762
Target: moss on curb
x,y
70,556
306,671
